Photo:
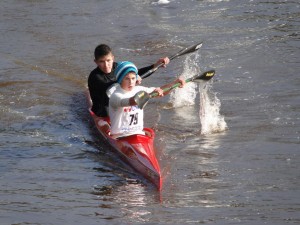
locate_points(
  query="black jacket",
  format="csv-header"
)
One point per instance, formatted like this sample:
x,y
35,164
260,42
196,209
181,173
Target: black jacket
x,y
98,82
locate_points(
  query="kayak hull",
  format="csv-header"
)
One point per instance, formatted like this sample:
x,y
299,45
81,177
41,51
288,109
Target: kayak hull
x,y
137,150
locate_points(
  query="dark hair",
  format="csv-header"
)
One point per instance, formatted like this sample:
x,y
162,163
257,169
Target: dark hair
x,y
101,50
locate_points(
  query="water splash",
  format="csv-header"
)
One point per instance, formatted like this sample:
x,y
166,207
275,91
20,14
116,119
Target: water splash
x,y
161,2
186,96
210,118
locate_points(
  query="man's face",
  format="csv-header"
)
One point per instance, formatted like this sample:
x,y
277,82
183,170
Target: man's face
x,y
129,81
105,63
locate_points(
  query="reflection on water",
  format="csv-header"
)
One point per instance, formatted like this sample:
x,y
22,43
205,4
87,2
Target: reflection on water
x,y
131,199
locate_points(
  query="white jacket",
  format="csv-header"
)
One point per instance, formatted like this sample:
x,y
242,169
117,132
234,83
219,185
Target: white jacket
x,y
125,119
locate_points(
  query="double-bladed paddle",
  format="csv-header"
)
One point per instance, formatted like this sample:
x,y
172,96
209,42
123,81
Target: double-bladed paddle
x,y
184,51
142,97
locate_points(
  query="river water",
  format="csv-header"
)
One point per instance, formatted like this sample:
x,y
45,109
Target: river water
x,y
229,149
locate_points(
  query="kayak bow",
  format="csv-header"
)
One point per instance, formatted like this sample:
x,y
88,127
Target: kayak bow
x,y
137,150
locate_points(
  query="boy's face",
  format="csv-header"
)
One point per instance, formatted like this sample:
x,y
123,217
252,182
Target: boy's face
x,y
105,63
129,81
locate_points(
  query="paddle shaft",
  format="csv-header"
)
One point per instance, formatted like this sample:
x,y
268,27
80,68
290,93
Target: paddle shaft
x,y
141,98
154,94
204,76
184,51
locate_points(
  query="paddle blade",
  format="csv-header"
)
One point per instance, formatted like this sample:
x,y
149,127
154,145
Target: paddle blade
x,y
204,76
141,98
187,50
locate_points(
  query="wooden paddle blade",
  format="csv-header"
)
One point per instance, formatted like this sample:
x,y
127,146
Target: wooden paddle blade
x,y
141,98
205,76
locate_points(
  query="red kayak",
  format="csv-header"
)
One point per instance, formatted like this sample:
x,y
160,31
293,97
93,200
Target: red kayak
x,y
137,150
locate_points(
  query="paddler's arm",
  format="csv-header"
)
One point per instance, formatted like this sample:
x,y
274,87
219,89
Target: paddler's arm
x,y
139,97
144,70
126,101
143,95
117,101
178,80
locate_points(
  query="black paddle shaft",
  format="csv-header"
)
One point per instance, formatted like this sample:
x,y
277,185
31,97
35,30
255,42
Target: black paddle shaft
x,y
180,53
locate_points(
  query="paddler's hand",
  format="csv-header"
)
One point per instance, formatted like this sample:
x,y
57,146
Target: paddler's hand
x,y
159,91
180,80
138,80
163,61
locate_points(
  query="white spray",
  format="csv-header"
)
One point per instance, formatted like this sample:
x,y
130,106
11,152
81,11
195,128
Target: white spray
x,y
161,2
209,111
186,96
210,118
